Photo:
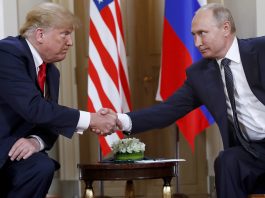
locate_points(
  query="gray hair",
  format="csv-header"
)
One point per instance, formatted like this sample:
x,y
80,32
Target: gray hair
x,y
48,15
221,14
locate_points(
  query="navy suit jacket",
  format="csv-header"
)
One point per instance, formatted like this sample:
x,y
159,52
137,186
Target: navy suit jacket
x,y
23,110
204,86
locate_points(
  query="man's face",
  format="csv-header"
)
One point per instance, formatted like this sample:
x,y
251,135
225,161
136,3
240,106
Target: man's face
x,y
55,44
209,38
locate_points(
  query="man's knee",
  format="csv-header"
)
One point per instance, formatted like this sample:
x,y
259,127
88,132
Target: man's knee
x,y
227,160
44,166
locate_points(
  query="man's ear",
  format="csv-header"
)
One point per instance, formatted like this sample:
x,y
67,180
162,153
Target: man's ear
x,y
227,28
39,35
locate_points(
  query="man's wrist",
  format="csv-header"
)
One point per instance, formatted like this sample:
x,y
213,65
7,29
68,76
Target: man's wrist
x,y
125,121
36,143
39,140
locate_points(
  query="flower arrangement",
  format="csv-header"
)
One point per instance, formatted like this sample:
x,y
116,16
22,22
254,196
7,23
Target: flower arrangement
x,y
128,149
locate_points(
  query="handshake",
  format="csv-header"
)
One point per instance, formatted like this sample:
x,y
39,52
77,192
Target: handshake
x,y
104,122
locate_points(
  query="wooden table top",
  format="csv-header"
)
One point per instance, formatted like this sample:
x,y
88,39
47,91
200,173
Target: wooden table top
x,y
126,171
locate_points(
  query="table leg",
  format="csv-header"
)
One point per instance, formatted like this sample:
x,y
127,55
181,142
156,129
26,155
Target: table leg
x,y
167,187
129,190
89,190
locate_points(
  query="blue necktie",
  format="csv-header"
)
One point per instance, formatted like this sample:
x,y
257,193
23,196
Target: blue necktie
x,y
230,90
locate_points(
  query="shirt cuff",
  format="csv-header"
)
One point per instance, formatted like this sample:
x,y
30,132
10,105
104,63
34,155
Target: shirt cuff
x,y
41,142
125,121
83,122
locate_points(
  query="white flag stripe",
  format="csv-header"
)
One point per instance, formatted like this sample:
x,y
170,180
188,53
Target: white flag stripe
x,y
202,2
158,93
110,139
125,107
120,43
93,95
124,102
105,36
122,53
108,85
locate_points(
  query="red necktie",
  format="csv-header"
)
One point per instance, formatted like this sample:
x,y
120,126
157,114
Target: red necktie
x,y
42,76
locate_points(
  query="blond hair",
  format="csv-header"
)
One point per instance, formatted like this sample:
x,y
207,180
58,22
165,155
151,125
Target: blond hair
x,y
48,15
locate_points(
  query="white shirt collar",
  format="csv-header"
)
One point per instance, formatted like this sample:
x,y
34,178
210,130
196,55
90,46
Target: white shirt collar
x,y
36,56
233,53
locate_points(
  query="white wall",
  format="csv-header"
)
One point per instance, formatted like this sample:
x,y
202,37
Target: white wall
x,y
260,17
8,18
1,19
244,13
24,7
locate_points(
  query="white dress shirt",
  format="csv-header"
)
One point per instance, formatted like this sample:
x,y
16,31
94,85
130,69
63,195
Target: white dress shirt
x,y
250,111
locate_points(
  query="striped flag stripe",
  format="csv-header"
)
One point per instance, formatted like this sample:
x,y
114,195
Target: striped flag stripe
x,y
105,79
122,61
102,95
105,33
119,19
106,58
108,17
126,89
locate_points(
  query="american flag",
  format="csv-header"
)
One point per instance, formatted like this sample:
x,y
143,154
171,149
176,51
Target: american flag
x,y
108,84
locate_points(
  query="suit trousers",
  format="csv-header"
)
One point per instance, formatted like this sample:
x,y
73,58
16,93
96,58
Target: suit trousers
x,y
238,173
29,178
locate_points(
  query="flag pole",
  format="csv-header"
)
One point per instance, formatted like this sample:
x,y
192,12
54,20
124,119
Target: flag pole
x,y
101,184
177,156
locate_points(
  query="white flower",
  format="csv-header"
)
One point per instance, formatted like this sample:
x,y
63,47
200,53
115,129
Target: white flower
x,y
128,145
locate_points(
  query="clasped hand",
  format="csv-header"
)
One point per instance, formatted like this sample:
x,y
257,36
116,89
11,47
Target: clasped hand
x,y
104,122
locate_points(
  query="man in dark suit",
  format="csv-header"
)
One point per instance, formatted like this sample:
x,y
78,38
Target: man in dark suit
x,y
238,111
30,117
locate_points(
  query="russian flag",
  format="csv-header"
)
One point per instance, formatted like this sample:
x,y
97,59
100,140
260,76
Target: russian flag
x,y
178,53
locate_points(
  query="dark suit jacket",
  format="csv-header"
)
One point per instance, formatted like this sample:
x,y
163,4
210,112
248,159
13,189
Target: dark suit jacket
x,y
204,87
23,110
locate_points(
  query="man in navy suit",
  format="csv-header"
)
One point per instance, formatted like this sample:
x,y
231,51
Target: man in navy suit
x,y
239,169
30,117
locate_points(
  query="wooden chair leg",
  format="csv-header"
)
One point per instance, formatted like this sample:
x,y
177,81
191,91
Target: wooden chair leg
x,y
129,190
89,193
167,188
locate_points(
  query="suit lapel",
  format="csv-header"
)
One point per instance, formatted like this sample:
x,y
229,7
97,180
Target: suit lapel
x,y
215,88
31,64
250,64
52,83
252,69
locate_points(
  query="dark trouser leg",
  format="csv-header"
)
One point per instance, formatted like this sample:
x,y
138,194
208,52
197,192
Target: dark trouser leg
x,y
29,178
236,172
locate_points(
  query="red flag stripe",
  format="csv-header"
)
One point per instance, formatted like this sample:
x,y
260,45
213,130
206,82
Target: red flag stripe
x,y
119,18
197,126
122,59
102,95
105,79
109,21
171,47
104,55
90,105
125,86
104,145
